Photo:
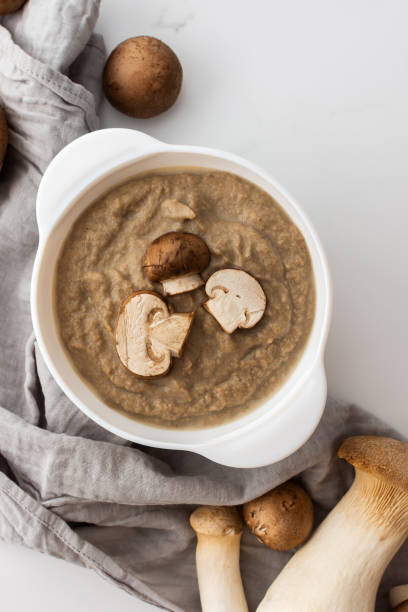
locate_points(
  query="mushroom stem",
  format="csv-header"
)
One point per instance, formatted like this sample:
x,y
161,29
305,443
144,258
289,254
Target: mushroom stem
x,y
171,333
219,531
341,566
181,284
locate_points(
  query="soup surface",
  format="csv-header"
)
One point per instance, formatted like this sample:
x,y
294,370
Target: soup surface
x,y
219,376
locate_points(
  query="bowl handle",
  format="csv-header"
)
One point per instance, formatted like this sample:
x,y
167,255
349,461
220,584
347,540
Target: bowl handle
x,y
289,430
80,163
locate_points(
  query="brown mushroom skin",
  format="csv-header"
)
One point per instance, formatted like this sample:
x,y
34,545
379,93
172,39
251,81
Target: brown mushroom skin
x,y
175,254
3,136
282,518
10,6
403,607
142,77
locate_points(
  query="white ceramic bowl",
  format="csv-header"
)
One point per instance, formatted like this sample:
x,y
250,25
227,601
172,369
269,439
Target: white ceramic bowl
x,y
83,171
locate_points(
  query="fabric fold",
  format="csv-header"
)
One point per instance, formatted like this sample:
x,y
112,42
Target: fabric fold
x,y
68,487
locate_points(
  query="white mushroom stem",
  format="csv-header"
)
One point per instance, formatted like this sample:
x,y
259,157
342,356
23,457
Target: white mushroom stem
x,y
217,559
172,332
398,595
237,299
340,568
181,284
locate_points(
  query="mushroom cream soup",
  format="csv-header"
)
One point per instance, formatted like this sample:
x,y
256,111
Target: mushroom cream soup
x,y
219,376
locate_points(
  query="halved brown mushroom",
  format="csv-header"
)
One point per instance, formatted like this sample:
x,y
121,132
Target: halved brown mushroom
x,y
176,260
148,336
237,299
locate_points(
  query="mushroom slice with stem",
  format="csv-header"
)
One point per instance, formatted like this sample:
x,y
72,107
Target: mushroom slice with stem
x,y
340,567
147,335
237,299
399,597
282,518
176,260
219,530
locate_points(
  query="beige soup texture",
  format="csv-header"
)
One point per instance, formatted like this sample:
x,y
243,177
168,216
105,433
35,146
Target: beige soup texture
x,y
219,376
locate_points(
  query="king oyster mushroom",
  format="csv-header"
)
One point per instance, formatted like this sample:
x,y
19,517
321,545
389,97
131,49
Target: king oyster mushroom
x,y
219,530
148,336
339,569
176,260
236,299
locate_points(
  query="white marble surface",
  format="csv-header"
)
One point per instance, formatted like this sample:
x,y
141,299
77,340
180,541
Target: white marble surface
x,y
317,93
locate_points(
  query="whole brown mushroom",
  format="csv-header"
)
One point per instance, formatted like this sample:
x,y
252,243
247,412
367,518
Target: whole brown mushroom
x,y
282,518
175,260
142,77
3,136
10,6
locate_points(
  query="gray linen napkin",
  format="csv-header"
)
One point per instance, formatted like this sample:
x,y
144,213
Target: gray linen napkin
x,y
68,487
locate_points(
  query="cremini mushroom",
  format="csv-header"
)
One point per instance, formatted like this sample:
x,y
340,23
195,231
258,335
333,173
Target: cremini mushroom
x,y
10,6
148,336
3,136
399,597
341,566
219,530
142,77
176,260
236,299
282,518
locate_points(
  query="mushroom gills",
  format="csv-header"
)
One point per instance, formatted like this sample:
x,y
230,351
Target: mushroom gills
x,y
340,568
181,284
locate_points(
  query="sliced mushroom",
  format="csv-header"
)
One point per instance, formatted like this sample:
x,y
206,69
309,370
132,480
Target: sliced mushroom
x,y
147,335
237,299
176,260
173,209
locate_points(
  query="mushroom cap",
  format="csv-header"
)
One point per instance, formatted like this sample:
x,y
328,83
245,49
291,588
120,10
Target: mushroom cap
x,y
403,607
175,254
142,77
10,6
216,521
282,518
3,135
385,458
